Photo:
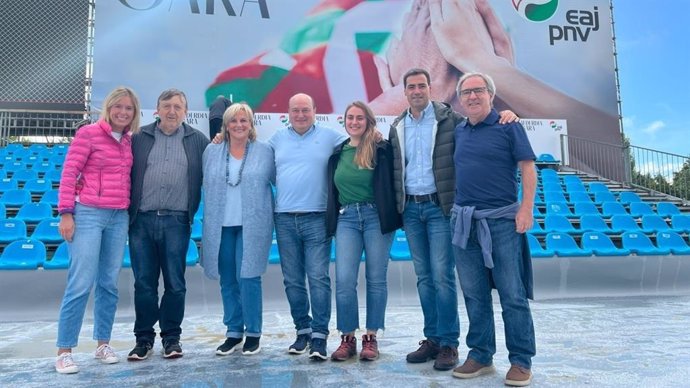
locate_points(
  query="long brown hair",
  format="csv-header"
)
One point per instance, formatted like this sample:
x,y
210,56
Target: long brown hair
x,y
366,149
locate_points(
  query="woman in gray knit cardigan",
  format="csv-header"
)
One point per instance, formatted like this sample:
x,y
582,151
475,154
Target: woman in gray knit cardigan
x,y
238,225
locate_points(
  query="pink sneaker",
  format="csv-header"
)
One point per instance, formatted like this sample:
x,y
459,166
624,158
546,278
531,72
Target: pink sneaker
x,y
106,354
370,348
347,349
65,364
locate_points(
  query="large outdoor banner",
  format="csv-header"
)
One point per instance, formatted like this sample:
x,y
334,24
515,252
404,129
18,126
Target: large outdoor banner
x,y
552,60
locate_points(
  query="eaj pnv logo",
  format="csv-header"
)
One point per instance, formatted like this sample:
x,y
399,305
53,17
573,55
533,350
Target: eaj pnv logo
x,y
536,10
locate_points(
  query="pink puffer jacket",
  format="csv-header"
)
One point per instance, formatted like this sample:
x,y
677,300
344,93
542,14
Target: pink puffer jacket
x,y
97,169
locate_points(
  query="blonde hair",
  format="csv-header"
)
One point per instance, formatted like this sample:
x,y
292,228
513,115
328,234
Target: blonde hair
x,y
114,97
366,149
231,112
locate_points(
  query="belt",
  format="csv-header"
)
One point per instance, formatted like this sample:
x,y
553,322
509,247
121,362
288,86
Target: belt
x,y
301,213
164,212
433,197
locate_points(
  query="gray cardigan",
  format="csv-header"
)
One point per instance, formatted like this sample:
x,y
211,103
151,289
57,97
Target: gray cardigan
x,y
257,208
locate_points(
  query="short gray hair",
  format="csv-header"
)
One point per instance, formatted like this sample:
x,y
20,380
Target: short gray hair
x,y
490,86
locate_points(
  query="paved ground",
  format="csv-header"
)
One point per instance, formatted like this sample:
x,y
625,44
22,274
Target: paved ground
x,y
639,341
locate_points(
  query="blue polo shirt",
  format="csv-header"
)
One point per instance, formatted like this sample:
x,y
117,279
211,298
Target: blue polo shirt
x,y
301,167
486,157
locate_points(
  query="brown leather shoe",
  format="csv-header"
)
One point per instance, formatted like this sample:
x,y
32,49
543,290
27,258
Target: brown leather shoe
x,y
518,376
471,369
427,351
447,358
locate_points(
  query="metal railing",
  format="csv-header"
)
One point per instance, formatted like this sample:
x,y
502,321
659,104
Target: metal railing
x,y
38,126
633,166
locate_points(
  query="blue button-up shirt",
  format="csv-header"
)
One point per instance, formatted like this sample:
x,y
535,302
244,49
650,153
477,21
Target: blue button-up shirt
x,y
419,176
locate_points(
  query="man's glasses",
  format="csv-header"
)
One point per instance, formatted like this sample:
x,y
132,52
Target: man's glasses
x,y
477,91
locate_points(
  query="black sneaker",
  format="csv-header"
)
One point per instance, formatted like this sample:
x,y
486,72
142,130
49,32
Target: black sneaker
x,y
300,345
317,350
141,351
229,346
172,349
251,346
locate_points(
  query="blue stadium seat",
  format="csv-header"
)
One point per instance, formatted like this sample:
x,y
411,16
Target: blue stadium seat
x,y
554,196
50,197
571,179
15,197
558,223
34,212
197,228
579,196
639,209
640,244
560,208
8,184
57,159
536,213
594,223
53,176
582,208
536,228
667,209
43,167
536,249
24,175
672,241
595,187
3,174
37,148
552,186
573,187
273,255
549,174
60,259
11,230
3,211
38,186
60,149
627,197
547,158
654,223
30,160
23,254
564,245
603,196
610,209
126,258
681,223
627,223
199,215
14,147
45,155
602,245
14,167
47,231
192,254
400,250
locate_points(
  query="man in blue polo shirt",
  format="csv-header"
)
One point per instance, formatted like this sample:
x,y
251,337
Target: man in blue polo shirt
x,y
488,226
301,155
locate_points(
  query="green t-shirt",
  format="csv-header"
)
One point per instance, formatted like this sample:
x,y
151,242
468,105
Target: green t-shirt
x,y
353,182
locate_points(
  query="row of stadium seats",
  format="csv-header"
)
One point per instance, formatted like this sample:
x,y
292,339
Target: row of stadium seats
x,y
20,197
12,162
599,244
607,209
30,254
618,224
22,176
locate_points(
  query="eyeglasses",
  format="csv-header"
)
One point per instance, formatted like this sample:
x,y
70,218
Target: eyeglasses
x,y
477,91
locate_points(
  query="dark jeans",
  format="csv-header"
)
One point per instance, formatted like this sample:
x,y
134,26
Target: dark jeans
x,y
159,244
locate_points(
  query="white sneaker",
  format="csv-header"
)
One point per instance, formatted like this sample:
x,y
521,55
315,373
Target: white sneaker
x,y
106,354
65,364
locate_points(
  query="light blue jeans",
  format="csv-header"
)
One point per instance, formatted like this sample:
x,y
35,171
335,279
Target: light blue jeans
x,y
359,230
96,252
305,252
242,304
475,281
428,234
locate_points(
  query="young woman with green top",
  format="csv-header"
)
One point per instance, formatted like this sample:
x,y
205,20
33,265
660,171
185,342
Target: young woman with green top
x,y
362,215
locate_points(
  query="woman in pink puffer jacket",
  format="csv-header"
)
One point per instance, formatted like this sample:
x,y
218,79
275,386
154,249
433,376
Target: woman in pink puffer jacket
x,y
92,202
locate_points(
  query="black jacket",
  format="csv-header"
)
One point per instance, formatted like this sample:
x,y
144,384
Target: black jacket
x,y
382,181
194,143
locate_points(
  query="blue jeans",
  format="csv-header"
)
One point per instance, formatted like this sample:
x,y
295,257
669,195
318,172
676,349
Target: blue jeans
x,y
359,229
96,252
159,244
475,281
241,296
305,252
428,235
